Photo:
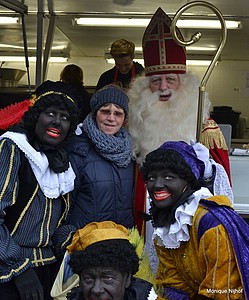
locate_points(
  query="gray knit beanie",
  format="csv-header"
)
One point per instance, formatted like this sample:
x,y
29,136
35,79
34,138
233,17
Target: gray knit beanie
x,y
109,94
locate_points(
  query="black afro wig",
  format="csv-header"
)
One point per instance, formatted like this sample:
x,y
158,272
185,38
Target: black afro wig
x,y
117,254
61,101
160,159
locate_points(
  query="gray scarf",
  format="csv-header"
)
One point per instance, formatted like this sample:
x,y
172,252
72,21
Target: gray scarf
x,y
115,148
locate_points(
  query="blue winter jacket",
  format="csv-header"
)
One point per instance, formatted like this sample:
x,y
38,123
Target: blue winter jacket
x,y
103,191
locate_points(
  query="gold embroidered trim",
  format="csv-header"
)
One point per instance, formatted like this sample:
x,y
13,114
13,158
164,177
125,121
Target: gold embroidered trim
x,y
229,265
14,196
211,133
15,270
1,145
41,260
67,204
40,255
24,210
9,172
198,218
67,240
38,261
43,222
217,257
204,252
49,219
34,255
52,92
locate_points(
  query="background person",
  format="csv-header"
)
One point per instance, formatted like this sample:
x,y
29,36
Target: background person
x,y
102,160
36,178
73,74
202,249
125,69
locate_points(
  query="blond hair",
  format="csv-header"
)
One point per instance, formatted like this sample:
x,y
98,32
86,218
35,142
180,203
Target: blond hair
x,y
121,48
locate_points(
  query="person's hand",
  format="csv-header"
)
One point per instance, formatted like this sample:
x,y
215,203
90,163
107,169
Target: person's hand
x,y
202,154
29,286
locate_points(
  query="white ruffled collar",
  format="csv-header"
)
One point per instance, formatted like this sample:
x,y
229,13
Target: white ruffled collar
x,y
52,184
172,236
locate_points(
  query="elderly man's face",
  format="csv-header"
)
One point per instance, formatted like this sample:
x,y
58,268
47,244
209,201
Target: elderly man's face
x,y
164,84
104,283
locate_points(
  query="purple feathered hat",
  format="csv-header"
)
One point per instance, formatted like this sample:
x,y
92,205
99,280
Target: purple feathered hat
x,y
187,152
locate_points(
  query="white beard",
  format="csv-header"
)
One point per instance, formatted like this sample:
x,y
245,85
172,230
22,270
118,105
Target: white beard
x,y
152,122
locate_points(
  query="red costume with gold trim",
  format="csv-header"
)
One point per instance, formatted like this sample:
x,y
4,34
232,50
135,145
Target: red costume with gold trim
x,y
214,140
163,56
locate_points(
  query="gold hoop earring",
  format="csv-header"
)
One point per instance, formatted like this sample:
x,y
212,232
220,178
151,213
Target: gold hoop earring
x,y
184,189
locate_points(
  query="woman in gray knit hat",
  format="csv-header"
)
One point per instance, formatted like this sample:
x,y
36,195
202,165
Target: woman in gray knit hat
x,y
102,160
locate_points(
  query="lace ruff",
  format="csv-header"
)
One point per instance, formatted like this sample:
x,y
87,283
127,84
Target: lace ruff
x,y
172,236
52,184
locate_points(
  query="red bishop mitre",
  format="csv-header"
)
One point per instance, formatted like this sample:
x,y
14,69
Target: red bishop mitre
x,y
162,55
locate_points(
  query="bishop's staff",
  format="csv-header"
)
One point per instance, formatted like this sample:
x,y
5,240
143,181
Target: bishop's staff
x,y
195,38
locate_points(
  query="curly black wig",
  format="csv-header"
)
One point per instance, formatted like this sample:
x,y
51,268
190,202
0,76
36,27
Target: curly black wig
x,y
169,159
117,254
160,159
59,100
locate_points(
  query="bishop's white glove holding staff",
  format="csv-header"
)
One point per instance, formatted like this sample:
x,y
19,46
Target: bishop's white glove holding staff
x,y
202,153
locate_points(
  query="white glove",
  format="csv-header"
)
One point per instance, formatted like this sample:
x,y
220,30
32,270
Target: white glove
x,y
202,154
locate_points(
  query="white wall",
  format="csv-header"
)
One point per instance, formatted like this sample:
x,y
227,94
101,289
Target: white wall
x,y
226,85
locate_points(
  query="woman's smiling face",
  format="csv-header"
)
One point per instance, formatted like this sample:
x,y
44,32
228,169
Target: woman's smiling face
x,y
165,187
52,126
110,118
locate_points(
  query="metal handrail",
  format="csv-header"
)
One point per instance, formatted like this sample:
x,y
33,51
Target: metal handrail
x,y
195,38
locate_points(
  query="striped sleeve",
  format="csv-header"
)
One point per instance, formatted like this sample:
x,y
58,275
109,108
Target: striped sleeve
x,y
11,261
